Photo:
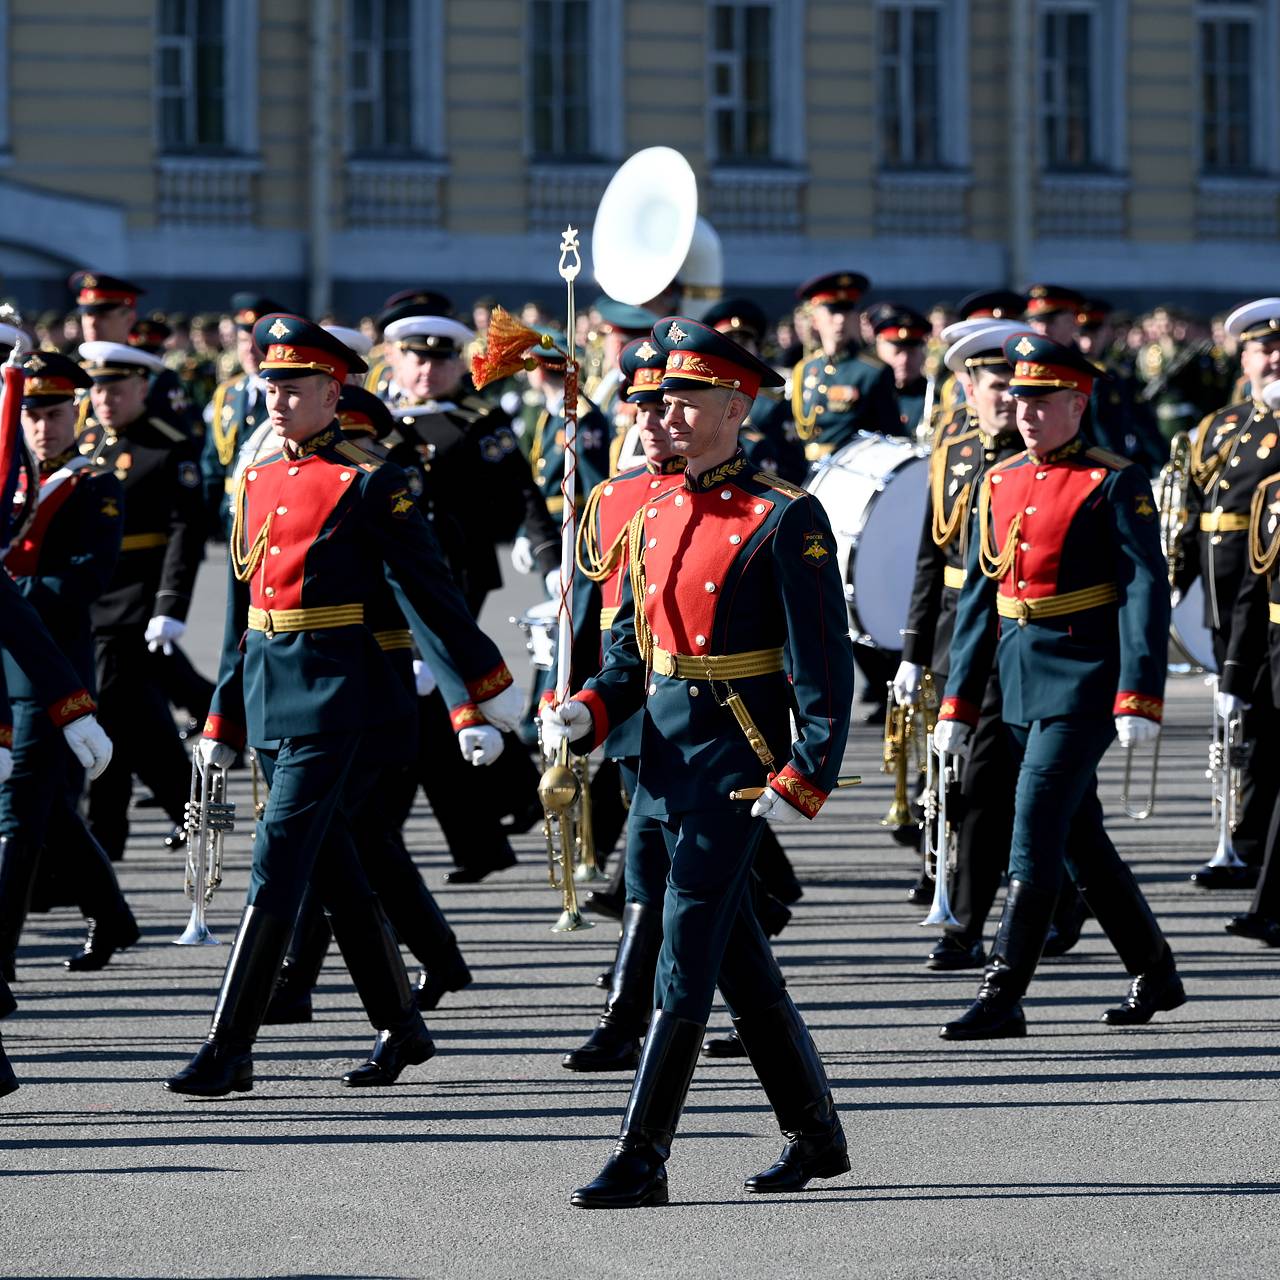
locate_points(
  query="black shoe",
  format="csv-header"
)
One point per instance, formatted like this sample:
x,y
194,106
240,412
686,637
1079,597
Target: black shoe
x,y
607,1048
8,1081
392,1052
475,874
952,952
604,979
987,1020
1225,877
217,1070
526,819
176,839
729,1046
635,1174
634,1177
803,1159
921,893
1253,925
104,939
1158,991
907,835
432,987
603,903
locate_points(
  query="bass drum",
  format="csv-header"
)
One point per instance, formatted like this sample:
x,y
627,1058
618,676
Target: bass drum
x,y
539,625
874,491
1190,641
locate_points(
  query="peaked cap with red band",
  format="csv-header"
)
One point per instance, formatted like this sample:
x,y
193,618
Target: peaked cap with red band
x,y
992,304
840,287
295,348
1041,367
95,292
361,413
49,377
643,364
899,323
699,356
1050,299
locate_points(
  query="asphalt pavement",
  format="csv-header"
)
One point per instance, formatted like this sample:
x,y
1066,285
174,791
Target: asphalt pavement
x,y
1079,1151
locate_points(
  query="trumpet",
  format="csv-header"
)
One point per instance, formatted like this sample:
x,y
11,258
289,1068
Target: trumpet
x,y
207,818
906,733
560,790
1172,487
1226,778
1140,812
941,772
586,867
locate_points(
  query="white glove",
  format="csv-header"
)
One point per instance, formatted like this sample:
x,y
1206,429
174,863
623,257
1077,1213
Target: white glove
x,y
209,751
6,765
1228,705
163,632
952,736
89,744
566,723
504,710
424,679
1131,730
906,683
480,744
553,583
772,806
522,555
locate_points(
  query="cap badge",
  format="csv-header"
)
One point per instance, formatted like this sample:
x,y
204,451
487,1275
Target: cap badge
x,y
89,281
1025,347
34,363
279,329
646,352
676,334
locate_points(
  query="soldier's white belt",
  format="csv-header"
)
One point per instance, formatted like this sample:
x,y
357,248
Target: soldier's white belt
x,y
713,666
1025,611
271,621
953,576
607,615
143,541
1223,522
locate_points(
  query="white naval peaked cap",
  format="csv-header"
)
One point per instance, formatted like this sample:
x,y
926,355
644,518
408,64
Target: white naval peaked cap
x,y
107,355
359,342
1257,319
959,328
428,327
989,337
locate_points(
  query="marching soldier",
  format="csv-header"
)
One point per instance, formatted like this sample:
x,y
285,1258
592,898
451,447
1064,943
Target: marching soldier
x,y
736,587
61,564
989,305
238,407
147,600
381,375
620,325
842,389
150,333
1232,453
1052,310
1066,585
900,344
305,682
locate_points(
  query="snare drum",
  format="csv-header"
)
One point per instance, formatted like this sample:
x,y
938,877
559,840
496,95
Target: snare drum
x,y
539,626
1190,641
875,490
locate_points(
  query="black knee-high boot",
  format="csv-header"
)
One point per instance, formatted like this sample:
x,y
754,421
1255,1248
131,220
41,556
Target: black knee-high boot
x,y
636,1173
291,999
224,1062
372,955
18,862
787,1064
615,1043
997,1011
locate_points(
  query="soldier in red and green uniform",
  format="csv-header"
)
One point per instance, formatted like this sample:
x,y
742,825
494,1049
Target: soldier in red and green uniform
x,y
1066,589
304,681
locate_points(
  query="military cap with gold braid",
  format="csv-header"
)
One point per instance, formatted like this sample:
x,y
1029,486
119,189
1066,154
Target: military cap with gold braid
x,y
992,304
737,315
1257,321
111,361
1041,366
835,289
96,292
1051,299
413,302
899,324
361,413
642,364
248,308
49,378
295,348
149,333
698,356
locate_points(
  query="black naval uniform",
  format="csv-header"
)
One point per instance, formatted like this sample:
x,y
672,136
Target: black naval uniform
x,y
163,544
1233,452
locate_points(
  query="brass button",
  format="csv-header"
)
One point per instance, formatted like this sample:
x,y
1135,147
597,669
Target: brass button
x,y
270,591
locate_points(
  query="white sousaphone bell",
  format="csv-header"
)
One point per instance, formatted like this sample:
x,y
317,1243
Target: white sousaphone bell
x,y
648,235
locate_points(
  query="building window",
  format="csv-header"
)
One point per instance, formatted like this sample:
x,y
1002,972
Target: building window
x,y
191,80
1233,37
560,71
1080,74
908,89
742,82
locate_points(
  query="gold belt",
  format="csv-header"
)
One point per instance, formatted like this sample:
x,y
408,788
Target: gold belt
x,y
953,576
607,615
143,541
1223,522
1273,612
1056,606
815,450
272,621
388,640
721,666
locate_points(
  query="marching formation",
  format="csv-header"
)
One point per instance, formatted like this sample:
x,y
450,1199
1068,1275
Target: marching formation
x,y
734,525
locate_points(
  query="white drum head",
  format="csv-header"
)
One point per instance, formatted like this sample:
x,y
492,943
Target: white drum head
x,y
1191,639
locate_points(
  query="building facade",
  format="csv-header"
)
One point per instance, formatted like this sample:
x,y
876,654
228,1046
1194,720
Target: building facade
x,y
331,150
